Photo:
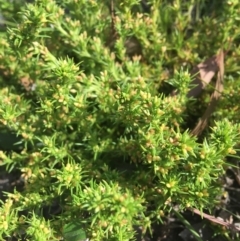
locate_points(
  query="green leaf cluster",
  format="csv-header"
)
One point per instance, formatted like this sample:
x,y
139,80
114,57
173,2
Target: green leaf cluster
x,y
103,147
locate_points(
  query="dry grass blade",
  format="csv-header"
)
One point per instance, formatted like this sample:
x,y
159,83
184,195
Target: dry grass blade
x,y
216,94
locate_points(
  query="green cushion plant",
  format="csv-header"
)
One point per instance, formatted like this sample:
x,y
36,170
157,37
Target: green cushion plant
x,y
100,139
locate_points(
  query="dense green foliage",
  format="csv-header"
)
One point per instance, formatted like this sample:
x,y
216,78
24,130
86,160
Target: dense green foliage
x,y
102,139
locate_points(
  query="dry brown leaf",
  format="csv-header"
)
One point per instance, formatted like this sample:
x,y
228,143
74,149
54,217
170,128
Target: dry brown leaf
x,y
204,73
216,64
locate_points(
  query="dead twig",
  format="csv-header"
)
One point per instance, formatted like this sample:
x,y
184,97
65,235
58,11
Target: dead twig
x,y
113,32
216,220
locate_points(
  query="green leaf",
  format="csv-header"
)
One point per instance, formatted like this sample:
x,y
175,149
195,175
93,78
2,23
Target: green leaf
x,y
73,232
